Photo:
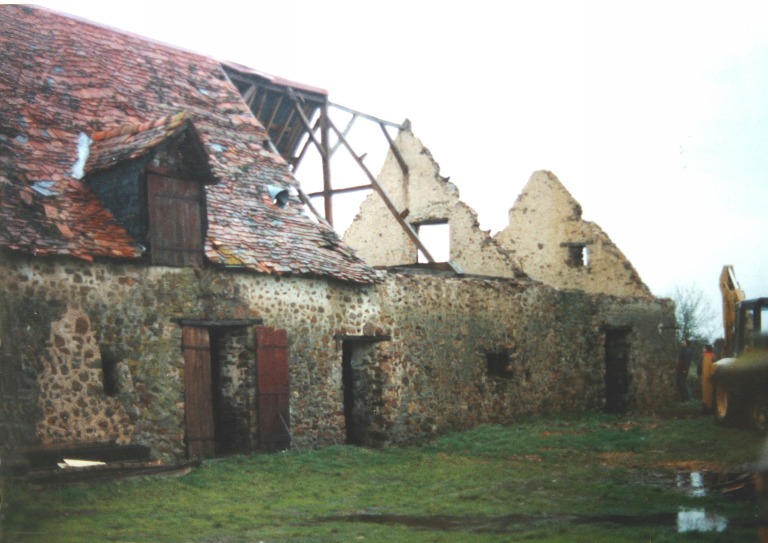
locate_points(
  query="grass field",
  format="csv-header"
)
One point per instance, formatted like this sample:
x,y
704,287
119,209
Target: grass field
x,y
589,478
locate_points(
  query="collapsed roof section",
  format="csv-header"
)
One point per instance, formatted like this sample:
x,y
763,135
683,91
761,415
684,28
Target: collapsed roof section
x,y
71,86
283,107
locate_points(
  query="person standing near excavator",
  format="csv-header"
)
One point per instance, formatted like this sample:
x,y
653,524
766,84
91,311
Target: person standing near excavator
x,y
706,369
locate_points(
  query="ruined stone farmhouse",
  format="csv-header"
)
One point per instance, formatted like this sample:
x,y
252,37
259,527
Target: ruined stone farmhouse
x,y
165,281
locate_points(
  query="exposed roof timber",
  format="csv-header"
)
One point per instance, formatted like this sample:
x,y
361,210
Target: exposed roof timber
x,y
289,121
265,96
384,196
307,202
344,190
307,142
249,95
367,116
345,133
395,150
307,125
243,73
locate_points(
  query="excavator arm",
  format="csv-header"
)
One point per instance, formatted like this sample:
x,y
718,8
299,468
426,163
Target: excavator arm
x,y
732,295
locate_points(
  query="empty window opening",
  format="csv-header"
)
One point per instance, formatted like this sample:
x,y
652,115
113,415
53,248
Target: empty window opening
x,y
436,237
578,255
500,364
109,375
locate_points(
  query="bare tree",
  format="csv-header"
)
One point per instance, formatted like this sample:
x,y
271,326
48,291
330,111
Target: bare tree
x,y
695,317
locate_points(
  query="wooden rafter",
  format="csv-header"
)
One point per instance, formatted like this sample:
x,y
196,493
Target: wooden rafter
x,y
300,156
250,94
384,196
307,125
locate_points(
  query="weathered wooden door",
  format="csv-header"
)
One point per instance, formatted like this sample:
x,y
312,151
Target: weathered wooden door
x,y
175,221
198,393
272,388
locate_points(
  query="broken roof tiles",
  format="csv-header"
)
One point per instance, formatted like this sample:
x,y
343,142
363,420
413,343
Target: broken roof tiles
x,y
62,78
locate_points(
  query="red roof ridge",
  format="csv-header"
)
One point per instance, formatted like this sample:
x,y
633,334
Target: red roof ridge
x,y
170,122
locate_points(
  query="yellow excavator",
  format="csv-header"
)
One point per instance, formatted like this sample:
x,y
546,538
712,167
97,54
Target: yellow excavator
x,y
740,379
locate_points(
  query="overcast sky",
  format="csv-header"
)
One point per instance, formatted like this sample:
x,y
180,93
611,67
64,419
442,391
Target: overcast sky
x,y
653,114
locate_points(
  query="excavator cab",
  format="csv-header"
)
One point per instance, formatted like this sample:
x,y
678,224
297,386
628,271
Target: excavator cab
x,y
741,380
751,330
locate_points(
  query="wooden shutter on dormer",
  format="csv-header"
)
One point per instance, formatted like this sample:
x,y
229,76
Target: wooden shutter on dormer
x,y
175,215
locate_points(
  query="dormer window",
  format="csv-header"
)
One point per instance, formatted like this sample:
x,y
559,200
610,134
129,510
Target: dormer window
x,y
153,183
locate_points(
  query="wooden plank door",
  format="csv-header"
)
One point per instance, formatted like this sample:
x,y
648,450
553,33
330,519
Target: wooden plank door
x,y
272,388
198,393
175,221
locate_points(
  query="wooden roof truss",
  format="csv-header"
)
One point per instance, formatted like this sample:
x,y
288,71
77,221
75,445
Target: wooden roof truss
x,y
297,120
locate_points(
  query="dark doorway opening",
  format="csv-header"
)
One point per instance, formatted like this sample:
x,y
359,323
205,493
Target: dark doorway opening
x,y
348,383
617,370
230,415
218,386
361,385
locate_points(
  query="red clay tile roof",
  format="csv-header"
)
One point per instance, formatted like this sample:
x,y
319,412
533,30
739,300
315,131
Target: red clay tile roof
x,y
61,78
110,147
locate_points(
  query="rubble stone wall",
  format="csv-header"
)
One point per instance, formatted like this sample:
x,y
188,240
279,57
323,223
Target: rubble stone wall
x,y
435,374
426,373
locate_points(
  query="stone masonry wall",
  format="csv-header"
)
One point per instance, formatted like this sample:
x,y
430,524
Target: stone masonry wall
x,y
435,375
60,319
70,386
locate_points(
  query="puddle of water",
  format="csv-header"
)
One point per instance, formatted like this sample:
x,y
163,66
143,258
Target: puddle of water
x,y
694,483
698,520
699,484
